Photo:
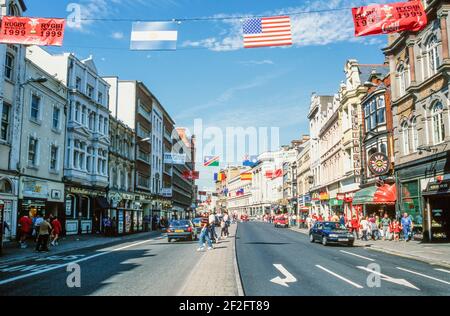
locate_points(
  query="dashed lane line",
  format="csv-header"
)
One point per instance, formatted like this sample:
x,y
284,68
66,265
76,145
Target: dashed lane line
x,y
340,277
442,270
424,275
354,254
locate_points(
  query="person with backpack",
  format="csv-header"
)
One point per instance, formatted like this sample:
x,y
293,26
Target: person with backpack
x,y
43,236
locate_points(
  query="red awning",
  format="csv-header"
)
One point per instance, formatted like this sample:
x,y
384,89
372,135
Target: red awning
x,y
386,194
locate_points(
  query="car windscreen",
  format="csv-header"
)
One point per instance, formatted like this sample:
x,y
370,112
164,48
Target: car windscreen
x,y
179,223
333,226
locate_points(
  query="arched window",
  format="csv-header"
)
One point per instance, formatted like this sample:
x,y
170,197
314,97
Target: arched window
x,y
432,56
5,186
402,79
383,148
414,135
437,118
405,138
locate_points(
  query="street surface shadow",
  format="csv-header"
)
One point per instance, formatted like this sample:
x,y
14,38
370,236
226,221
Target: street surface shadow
x,y
267,243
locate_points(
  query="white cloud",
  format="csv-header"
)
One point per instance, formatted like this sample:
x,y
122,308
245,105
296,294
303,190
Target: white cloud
x,y
257,62
314,28
117,35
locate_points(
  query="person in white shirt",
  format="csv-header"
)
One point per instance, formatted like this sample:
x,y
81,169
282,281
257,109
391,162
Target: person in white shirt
x,y
212,227
365,227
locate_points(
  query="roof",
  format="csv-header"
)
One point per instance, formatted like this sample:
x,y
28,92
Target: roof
x,y
366,71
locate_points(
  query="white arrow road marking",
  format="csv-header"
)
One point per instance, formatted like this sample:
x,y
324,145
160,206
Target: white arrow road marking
x,y
354,254
390,279
289,278
340,277
442,270
424,275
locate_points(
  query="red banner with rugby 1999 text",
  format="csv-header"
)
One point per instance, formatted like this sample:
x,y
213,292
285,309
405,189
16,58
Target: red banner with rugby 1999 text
x,y
32,31
389,18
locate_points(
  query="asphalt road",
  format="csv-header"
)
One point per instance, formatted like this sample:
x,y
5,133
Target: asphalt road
x,y
139,267
265,253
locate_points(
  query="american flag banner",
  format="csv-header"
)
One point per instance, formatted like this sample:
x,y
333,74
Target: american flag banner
x,y
270,31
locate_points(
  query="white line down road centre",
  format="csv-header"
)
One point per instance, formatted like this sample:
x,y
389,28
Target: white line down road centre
x,y
288,278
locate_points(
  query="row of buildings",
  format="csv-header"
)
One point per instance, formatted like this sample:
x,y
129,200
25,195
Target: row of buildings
x,y
85,147
380,144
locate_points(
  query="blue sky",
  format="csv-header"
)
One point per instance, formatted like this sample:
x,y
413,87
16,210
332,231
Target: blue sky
x,y
211,77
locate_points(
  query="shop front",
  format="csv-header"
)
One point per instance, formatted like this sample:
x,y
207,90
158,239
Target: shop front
x,y
377,200
85,209
42,197
324,199
126,214
437,210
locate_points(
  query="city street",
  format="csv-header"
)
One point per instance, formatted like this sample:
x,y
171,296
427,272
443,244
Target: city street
x,y
331,270
271,261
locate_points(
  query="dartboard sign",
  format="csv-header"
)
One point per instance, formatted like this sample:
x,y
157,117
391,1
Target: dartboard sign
x,y
379,164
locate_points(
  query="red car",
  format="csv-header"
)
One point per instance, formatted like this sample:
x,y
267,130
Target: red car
x,y
281,221
244,218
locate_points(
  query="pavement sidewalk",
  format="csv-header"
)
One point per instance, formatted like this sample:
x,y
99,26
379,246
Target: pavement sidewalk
x,y
216,273
12,253
432,253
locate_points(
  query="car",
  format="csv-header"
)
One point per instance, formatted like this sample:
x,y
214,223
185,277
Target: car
x,y
181,229
197,225
331,232
281,221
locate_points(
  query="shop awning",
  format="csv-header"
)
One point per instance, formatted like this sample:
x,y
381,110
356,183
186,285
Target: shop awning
x,y
103,202
386,194
336,202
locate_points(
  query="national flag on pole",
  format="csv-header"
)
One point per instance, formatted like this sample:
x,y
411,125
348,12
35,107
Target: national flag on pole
x,y
221,176
270,31
154,36
246,176
211,161
216,177
389,18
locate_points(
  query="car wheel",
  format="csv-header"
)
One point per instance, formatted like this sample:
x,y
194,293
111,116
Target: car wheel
x,y
350,243
324,241
169,240
311,238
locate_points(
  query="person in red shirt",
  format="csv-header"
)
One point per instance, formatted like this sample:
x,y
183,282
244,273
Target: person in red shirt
x,y
25,224
354,225
397,228
57,230
320,218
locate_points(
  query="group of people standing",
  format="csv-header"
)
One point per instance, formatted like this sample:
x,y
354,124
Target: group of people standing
x,y
208,233
44,231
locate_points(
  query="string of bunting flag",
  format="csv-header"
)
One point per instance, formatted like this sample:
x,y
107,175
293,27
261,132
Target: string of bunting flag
x,y
257,31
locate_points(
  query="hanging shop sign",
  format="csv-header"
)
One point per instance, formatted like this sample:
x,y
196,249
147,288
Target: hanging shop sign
x,y
32,31
166,192
389,18
379,164
340,196
174,159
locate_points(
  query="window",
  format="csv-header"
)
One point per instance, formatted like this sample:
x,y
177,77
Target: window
x,y
77,112
438,123
144,156
32,151
89,159
100,124
105,126
83,115
414,135
90,91
35,105
5,186
383,148
381,110
432,54
9,66
143,181
403,78
100,98
405,138
6,114
56,117
53,158
92,121
78,83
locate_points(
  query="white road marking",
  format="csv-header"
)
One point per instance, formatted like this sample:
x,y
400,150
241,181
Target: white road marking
x,y
288,277
340,277
66,264
424,275
391,279
354,254
442,270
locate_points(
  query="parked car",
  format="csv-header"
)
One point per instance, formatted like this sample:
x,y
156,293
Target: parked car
x,y
281,221
331,232
181,229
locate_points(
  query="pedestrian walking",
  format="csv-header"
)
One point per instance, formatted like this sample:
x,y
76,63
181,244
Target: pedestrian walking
x,y
43,236
385,224
335,218
212,221
57,230
204,238
25,227
406,224
365,226
355,225
342,220
38,220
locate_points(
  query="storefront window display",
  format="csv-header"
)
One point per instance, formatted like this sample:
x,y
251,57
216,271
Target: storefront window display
x,y
411,200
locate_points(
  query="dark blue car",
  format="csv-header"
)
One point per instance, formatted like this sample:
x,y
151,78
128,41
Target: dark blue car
x,y
331,232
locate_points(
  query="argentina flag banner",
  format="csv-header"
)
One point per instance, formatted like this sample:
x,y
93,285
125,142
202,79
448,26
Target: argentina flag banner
x,y
154,36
